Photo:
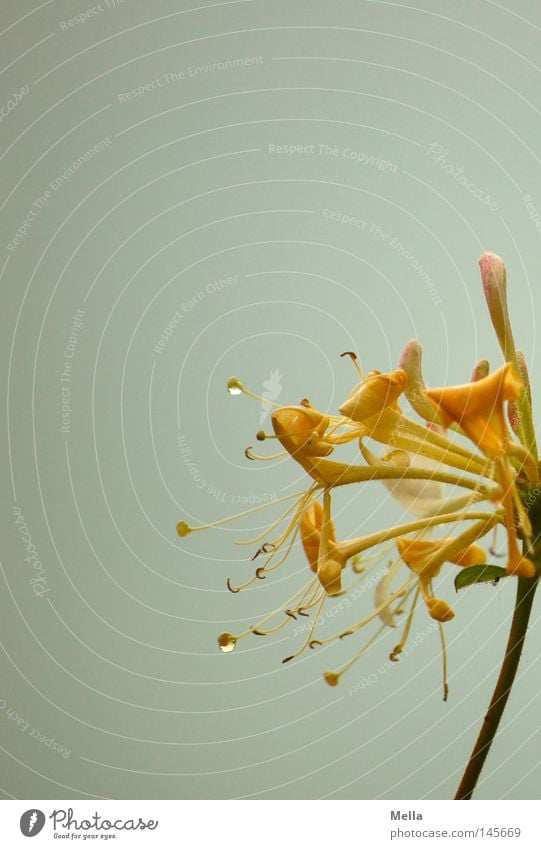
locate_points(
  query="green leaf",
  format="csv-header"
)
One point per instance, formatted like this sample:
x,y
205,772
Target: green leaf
x,y
482,574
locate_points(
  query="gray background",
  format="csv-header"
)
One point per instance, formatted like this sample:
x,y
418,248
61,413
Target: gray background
x,y
118,660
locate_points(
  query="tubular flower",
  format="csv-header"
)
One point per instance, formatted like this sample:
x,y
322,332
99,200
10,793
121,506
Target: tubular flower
x,y
462,493
479,409
327,561
421,557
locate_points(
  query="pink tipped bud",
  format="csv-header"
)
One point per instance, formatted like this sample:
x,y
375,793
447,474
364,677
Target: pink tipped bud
x,y
410,362
480,370
494,278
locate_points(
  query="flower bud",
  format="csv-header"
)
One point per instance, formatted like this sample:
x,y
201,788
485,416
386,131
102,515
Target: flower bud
x,y
480,370
494,279
410,362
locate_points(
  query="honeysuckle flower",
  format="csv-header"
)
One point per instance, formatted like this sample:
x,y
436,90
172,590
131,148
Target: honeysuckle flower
x,y
479,409
326,561
459,490
421,557
437,479
376,392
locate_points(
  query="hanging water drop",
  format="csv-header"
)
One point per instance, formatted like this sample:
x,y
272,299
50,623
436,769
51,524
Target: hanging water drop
x,y
234,386
227,642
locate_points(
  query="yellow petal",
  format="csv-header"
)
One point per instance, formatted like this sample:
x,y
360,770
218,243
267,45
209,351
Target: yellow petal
x,y
310,528
373,394
478,407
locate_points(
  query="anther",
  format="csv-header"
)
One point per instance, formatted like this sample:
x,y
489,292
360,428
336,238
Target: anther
x,y
258,573
183,529
231,588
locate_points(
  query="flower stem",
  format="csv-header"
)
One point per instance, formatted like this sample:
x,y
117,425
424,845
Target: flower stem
x,y
526,588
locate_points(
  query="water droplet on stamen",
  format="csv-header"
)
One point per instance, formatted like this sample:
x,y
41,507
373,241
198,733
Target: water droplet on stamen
x,y
183,529
227,642
234,386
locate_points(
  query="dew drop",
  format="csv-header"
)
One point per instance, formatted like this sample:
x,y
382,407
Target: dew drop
x,y
183,529
234,386
227,642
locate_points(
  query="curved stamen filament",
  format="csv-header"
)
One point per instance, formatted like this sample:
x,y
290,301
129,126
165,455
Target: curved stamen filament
x,y
405,634
321,599
237,589
354,359
183,529
236,387
332,678
267,567
277,521
250,455
288,605
403,590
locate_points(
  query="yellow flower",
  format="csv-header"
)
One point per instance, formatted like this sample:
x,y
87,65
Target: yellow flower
x,y
328,568
478,407
421,557
376,392
419,459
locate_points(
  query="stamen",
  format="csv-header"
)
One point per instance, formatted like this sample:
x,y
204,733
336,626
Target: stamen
x,y
355,362
323,551
311,631
249,454
231,588
492,548
236,387
277,521
333,678
183,529
404,589
290,601
444,661
398,648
